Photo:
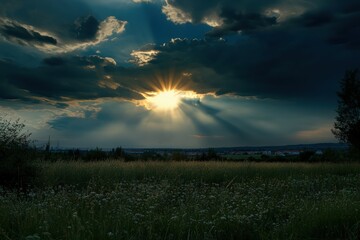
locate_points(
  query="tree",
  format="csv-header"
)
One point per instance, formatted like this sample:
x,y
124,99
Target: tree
x,y
347,122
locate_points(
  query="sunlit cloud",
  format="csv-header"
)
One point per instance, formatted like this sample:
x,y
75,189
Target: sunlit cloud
x,y
179,16
143,57
107,28
176,15
107,82
213,20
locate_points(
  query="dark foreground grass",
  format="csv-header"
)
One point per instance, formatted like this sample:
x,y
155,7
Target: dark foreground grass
x,y
186,200
111,172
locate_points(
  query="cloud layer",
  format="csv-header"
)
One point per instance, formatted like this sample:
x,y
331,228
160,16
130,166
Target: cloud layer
x,y
84,32
261,51
57,27
62,80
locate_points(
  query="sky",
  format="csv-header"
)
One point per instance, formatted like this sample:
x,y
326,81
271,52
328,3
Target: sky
x,y
176,73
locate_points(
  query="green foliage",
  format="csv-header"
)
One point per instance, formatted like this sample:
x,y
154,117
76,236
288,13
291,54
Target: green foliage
x,y
15,154
347,122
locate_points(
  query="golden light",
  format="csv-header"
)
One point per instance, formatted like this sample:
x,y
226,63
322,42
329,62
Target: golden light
x,y
169,94
168,100
165,100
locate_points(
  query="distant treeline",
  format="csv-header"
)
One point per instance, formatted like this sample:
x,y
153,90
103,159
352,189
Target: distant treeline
x,y
97,154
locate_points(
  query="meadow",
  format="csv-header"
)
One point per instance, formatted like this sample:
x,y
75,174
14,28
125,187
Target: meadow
x,y
185,200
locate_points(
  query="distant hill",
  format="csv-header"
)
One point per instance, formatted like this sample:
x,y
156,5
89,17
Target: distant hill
x,y
314,147
317,146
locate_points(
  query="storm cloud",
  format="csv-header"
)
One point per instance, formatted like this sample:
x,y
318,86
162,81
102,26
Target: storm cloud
x,y
75,53
22,34
265,65
62,80
64,30
228,16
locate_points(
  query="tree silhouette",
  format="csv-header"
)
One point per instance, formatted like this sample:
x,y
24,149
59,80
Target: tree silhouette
x,y
347,122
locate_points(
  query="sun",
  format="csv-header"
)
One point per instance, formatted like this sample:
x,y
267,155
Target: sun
x,y
169,100
168,96
165,100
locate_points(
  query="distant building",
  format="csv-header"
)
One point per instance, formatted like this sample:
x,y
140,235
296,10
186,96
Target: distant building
x,y
279,153
292,152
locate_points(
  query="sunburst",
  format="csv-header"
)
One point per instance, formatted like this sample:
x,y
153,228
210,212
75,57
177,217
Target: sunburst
x,y
165,100
168,94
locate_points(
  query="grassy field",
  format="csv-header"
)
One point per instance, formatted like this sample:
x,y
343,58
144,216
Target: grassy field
x,y
185,200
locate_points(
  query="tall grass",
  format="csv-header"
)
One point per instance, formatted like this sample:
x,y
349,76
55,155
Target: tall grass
x,y
186,200
80,173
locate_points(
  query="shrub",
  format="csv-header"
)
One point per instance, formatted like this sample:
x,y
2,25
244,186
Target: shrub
x,y
15,154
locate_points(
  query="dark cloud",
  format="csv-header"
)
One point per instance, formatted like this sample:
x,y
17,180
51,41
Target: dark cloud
x,y
350,6
235,22
66,25
300,56
202,11
54,61
346,31
282,63
62,80
53,16
315,19
228,16
286,63
85,28
84,33
290,53
23,34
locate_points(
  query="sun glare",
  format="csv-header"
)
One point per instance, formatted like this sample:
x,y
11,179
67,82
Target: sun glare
x,y
165,100
168,95
168,100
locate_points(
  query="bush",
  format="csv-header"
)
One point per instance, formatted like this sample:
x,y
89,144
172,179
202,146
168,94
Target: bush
x,y
15,154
